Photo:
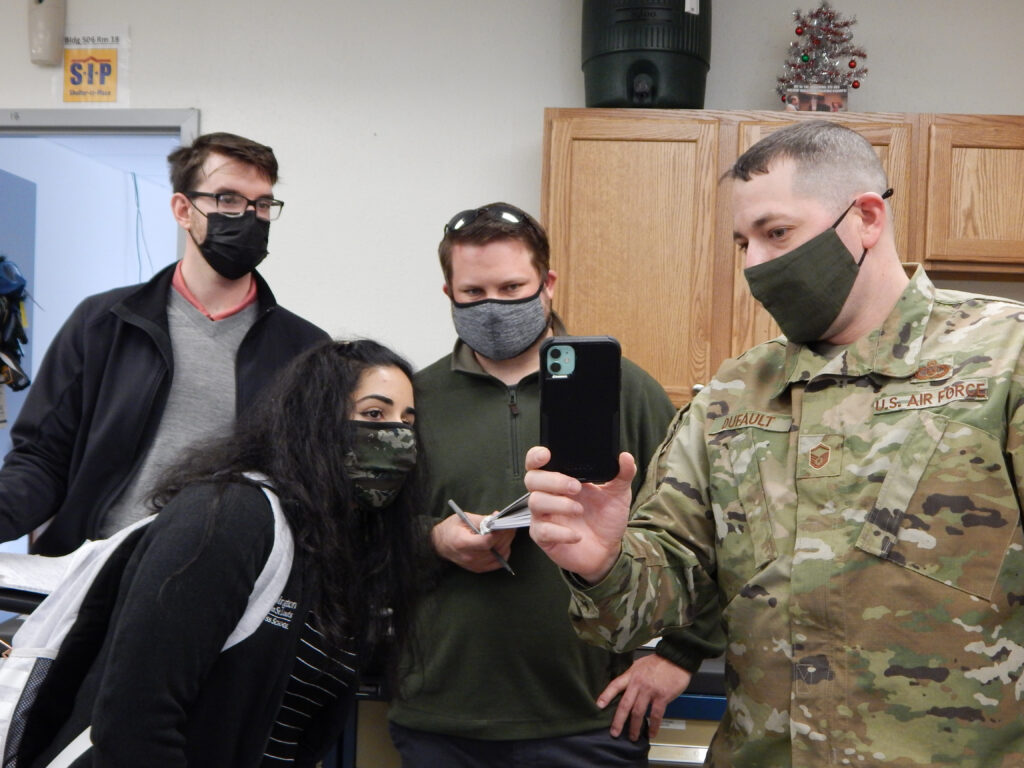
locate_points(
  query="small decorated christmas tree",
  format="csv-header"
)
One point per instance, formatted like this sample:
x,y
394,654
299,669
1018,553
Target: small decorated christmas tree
x,y
823,54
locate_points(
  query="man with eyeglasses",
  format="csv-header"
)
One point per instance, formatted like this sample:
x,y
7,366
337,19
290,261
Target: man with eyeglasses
x,y
138,374
496,676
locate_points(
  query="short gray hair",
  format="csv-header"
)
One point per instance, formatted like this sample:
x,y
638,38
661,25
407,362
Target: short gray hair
x,y
833,163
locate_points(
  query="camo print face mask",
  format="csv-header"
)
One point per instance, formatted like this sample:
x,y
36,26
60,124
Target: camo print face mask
x,y
382,455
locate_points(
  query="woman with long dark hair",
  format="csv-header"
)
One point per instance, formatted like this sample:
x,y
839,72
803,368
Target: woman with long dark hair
x,y
185,676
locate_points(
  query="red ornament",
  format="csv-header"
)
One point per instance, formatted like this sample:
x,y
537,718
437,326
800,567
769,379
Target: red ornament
x,y
853,63
799,30
855,83
783,99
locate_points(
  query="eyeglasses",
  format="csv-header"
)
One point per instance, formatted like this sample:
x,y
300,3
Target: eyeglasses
x,y
507,213
234,204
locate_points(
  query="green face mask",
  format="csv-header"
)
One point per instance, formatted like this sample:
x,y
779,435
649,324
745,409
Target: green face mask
x,y
382,455
805,289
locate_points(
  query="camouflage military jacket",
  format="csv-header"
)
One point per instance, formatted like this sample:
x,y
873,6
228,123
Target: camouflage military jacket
x,y
858,519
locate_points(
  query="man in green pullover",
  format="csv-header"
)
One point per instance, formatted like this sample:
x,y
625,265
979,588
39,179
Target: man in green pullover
x,y
497,677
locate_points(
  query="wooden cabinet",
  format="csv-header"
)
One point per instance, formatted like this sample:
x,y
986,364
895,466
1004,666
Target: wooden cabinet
x,y
623,200
641,232
975,194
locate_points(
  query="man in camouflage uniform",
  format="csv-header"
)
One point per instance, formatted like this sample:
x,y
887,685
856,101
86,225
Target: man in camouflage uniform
x,y
848,494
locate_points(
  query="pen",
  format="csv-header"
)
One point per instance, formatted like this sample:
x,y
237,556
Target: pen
x,y
469,523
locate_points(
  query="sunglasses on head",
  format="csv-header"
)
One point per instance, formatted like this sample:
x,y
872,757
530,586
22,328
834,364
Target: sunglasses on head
x,y
507,213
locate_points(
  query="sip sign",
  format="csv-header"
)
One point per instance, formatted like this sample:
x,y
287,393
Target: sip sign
x,y
90,74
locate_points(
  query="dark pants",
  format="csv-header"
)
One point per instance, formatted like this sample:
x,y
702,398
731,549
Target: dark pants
x,y
592,749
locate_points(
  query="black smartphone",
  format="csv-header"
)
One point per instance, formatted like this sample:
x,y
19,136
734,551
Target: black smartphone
x,y
579,405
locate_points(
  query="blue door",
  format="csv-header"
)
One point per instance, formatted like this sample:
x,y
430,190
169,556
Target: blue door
x,y
18,244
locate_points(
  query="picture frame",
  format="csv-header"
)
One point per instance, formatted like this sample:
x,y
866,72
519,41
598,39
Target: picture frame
x,y
816,98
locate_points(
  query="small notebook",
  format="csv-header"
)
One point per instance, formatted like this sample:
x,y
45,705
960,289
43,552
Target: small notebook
x,y
515,515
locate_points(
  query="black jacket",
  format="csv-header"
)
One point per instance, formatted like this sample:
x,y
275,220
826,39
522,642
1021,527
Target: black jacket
x,y
160,692
94,407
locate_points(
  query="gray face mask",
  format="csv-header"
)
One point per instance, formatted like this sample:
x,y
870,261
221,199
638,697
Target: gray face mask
x,y
500,329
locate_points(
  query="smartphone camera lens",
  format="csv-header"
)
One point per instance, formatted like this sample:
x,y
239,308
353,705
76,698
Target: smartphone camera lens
x,y
560,360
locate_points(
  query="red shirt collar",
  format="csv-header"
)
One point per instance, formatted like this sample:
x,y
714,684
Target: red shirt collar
x,y
178,282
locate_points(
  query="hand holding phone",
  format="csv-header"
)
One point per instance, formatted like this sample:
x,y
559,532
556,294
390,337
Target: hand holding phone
x,y
579,405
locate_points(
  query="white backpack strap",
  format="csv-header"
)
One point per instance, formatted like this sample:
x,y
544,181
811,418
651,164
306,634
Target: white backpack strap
x,y
272,579
38,641
265,591
73,751
54,616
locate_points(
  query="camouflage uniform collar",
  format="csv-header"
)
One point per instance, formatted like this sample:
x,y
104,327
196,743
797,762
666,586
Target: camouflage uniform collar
x,y
464,361
889,351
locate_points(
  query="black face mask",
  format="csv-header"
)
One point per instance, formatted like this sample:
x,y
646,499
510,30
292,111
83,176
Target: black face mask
x,y
234,245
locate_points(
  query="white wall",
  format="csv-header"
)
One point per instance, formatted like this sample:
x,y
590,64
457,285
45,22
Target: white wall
x,y
390,115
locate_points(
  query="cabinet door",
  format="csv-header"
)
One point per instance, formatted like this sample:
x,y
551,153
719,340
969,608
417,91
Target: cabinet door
x,y
892,137
975,189
629,203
